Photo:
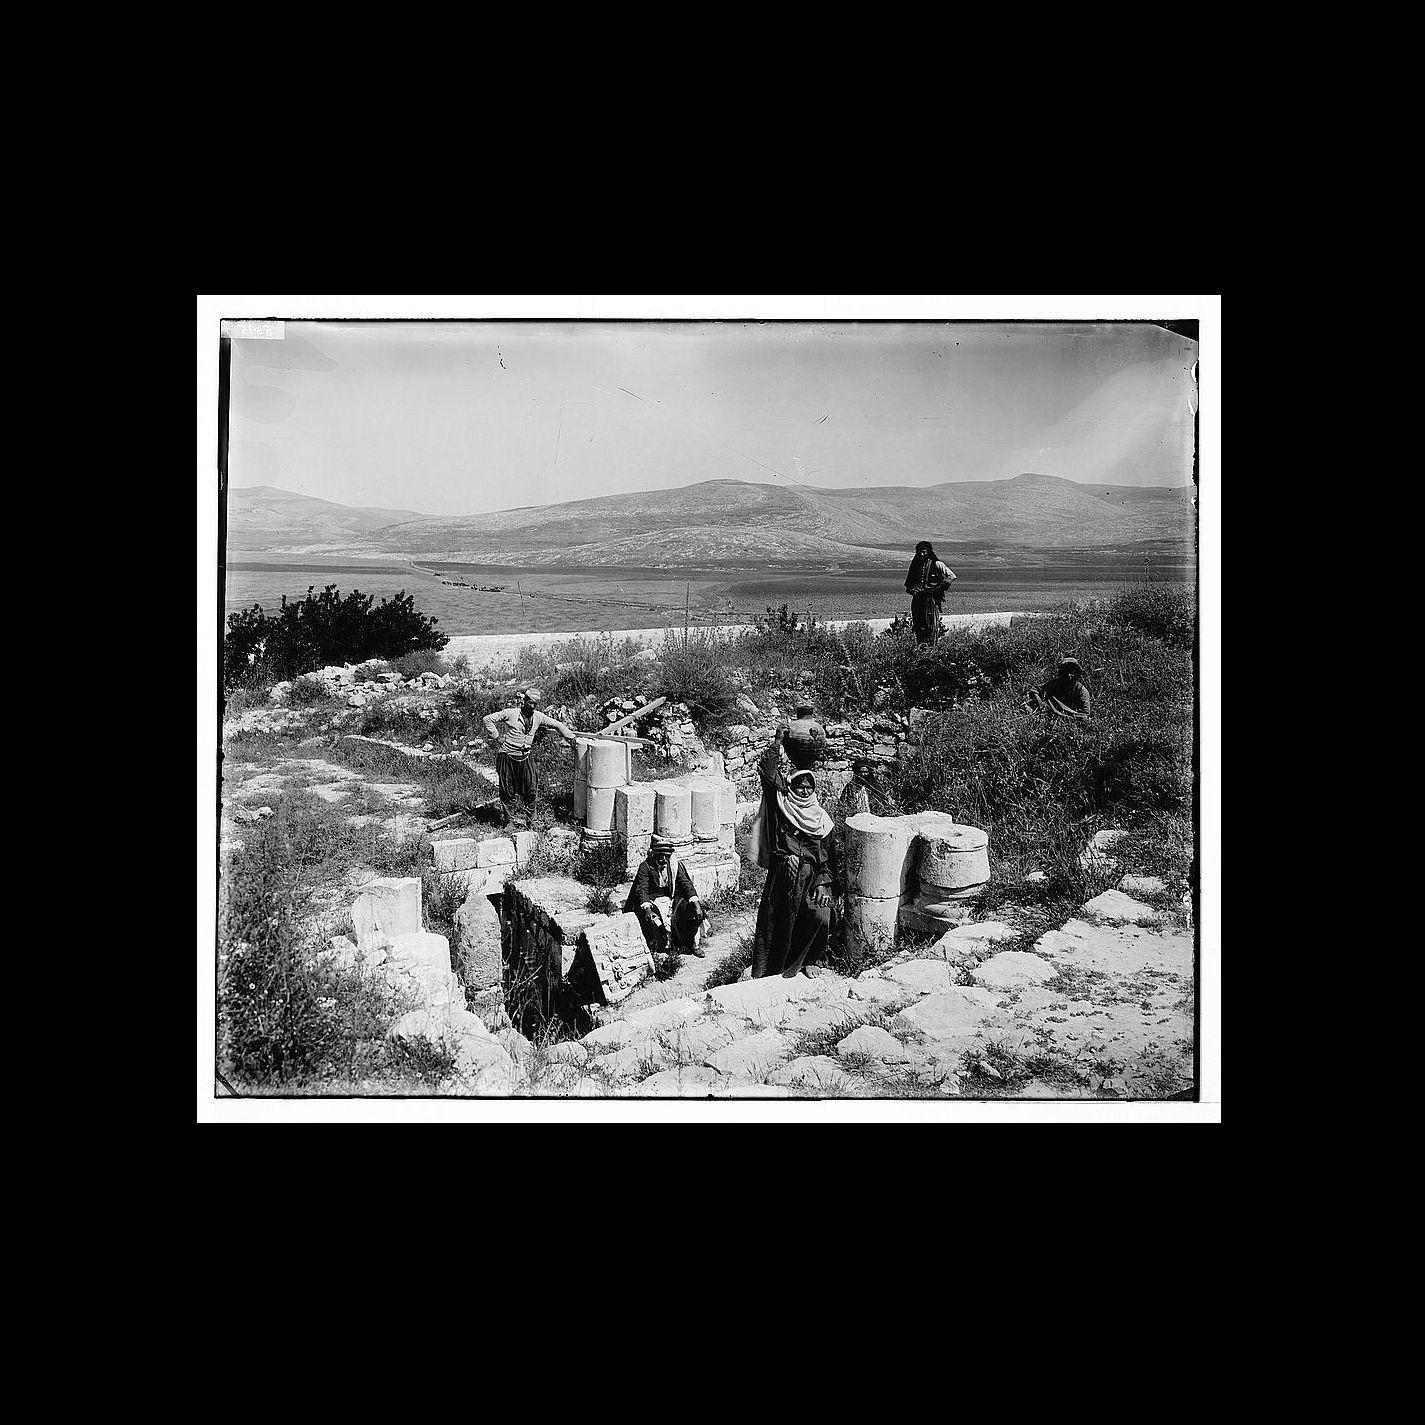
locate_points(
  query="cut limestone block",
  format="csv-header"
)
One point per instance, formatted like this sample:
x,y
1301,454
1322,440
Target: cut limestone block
x,y
727,838
495,851
955,859
455,854
477,931
972,939
633,811
389,906
599,809
706,808
935,917
877,856
424,958
713,871
726,801
1013,970
871,923
954,1013
619,955
1118,908
635,849
607,764
672,810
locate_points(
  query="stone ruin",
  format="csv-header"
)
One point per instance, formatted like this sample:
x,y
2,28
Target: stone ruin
x,y
920,872
696,811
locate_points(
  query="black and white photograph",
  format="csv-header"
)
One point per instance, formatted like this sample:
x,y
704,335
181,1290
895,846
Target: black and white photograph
x,y
677,709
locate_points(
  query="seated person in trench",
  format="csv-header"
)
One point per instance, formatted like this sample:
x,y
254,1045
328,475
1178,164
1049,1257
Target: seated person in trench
x,y
1064,695
666,903
803,869
516,731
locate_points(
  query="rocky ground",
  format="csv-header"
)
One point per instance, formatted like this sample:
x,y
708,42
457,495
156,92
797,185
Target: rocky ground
x,y
1098,1006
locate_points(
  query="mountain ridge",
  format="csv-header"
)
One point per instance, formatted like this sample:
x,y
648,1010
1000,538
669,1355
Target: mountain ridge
x,y
727,521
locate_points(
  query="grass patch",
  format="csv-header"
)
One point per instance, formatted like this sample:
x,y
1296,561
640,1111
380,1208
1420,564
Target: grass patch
x,y
728,971
812,1042
1003,1069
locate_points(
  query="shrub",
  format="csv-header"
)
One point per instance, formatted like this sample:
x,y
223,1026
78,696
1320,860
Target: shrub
x,y
321,629
1163,611
601,868
286,1016
307,690
696,668
412,665
442,895
419,1059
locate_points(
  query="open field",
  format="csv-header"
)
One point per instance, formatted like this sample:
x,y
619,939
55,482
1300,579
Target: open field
x,y
586,600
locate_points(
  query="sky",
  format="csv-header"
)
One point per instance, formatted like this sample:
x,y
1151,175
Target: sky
x,y
454,418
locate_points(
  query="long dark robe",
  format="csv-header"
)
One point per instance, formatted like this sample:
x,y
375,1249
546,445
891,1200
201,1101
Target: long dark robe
x,y
926,584
649,886
791,932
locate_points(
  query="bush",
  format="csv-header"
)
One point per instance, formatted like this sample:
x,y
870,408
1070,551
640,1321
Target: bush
x,y
286,1016
696,667
419,1059
321,629
307,690
412,665
1162,611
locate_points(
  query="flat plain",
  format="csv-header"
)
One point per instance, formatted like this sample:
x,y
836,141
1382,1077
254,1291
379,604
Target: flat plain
x,y
488,598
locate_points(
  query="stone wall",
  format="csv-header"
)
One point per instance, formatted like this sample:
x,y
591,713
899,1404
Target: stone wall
x,y
881,738
551,938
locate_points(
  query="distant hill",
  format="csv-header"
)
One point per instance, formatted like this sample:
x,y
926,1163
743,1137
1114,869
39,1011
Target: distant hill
x,y
721,522
263,518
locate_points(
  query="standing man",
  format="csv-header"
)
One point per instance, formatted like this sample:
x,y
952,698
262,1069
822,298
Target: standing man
x,y
516,730
666,902
926,583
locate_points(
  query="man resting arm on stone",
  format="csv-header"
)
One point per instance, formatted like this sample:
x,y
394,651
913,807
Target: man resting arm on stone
x,y
515,732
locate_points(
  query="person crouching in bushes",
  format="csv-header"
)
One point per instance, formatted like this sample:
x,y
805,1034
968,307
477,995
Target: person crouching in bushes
x,y
666,903
798,846
516,731
1064,695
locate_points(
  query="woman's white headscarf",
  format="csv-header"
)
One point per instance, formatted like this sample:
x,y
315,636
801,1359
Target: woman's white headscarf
x,y
806,814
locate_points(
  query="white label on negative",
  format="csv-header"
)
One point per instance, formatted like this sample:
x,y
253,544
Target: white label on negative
x,y
253,331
